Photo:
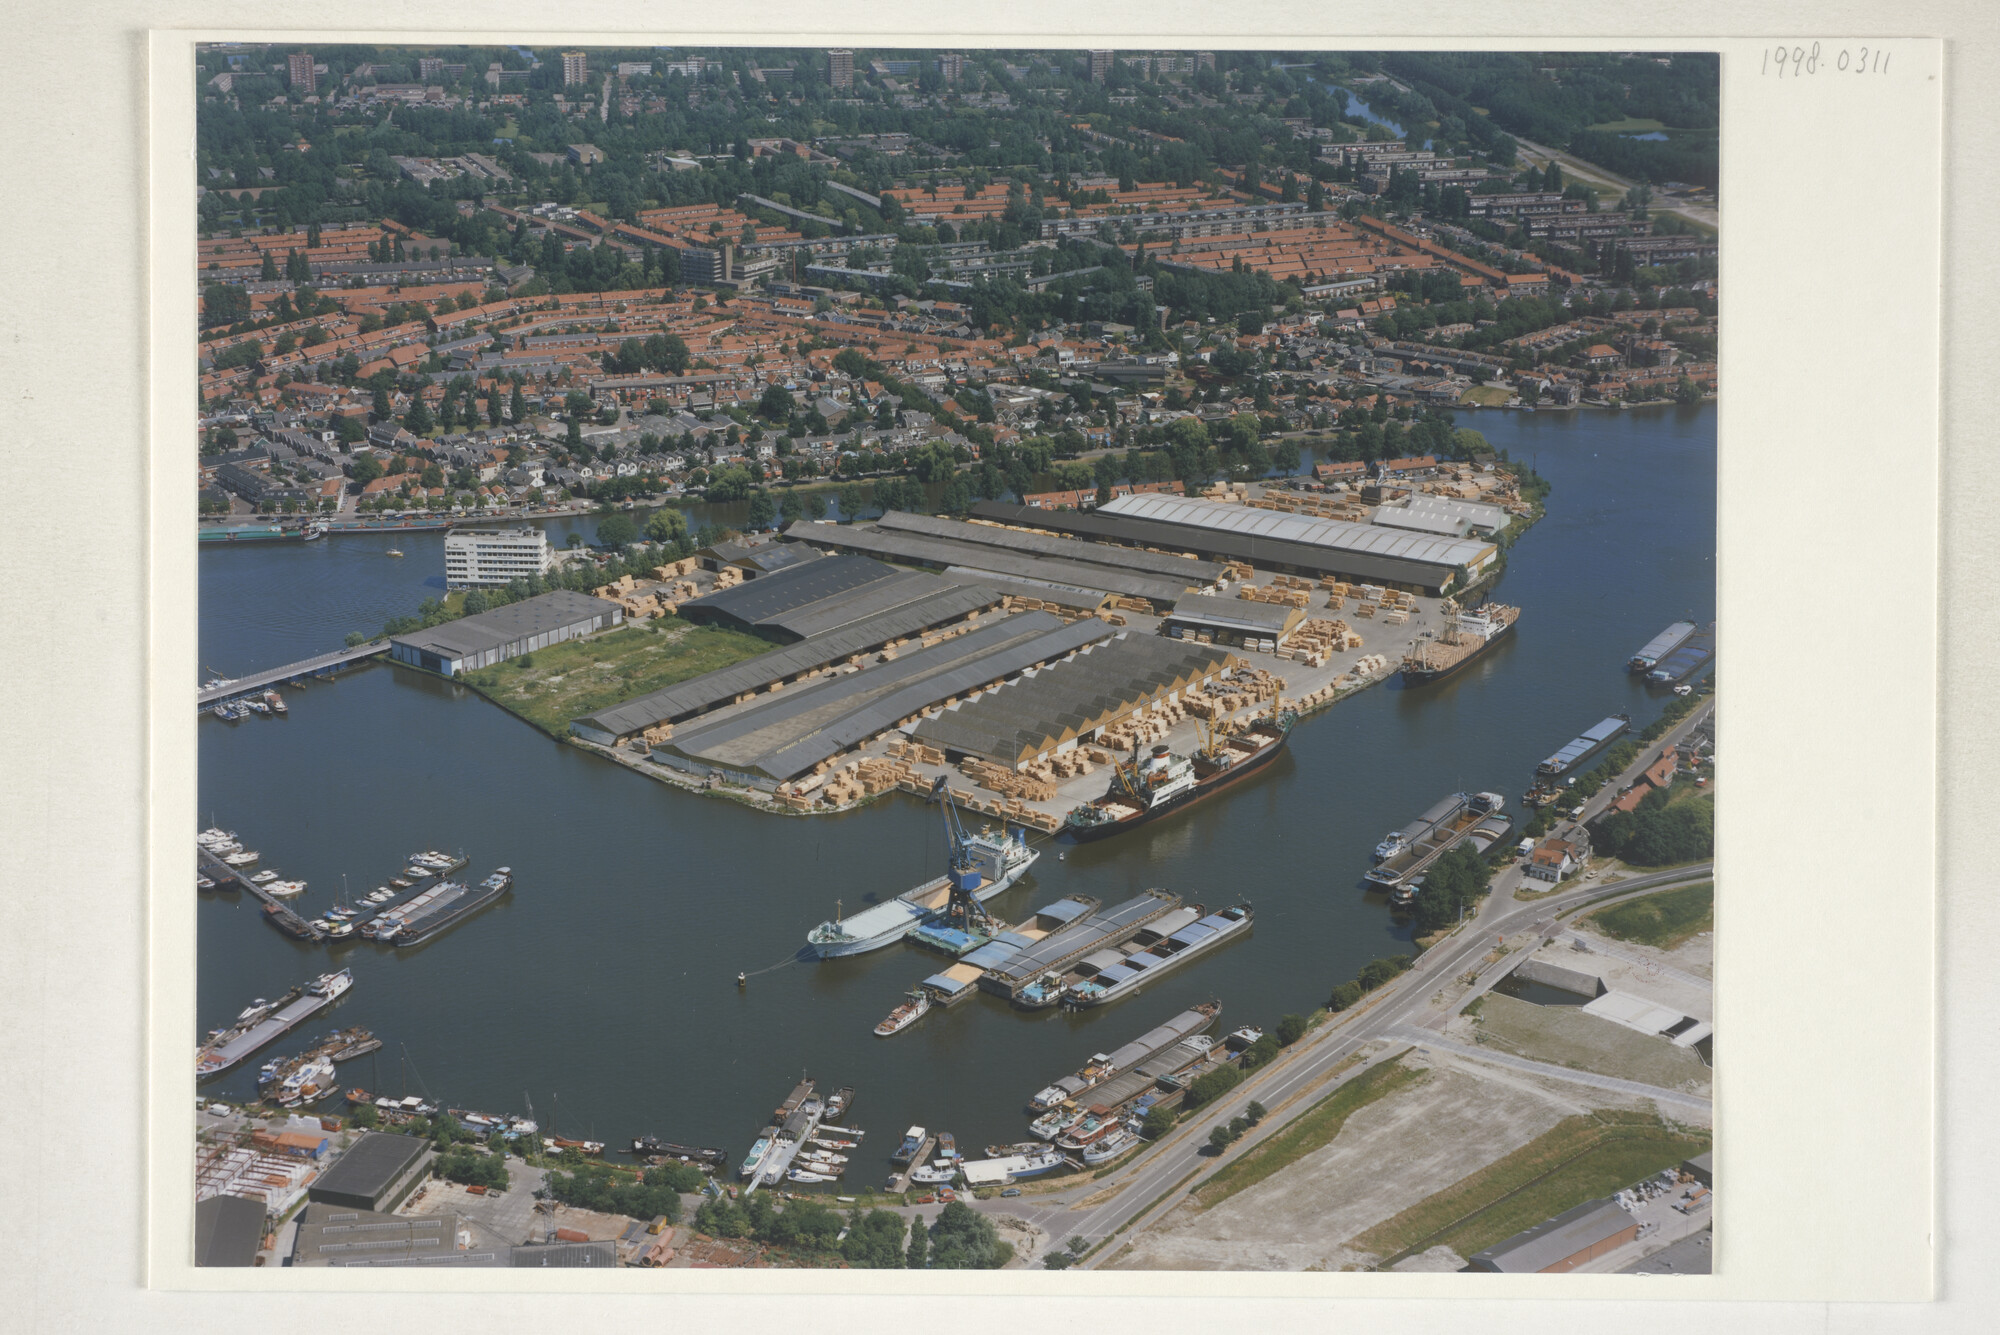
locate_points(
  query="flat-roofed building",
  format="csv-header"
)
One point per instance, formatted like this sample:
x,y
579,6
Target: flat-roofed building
x,y
378,1172
228,1230
506,632
575,68
475,557
1232,620
343,1235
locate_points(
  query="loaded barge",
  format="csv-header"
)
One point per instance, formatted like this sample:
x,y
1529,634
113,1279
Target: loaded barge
x,y
978,868
1146,789
1584,747
1659,647
436,910
265,1021
1157,949
1405,853
1035,976
1691,657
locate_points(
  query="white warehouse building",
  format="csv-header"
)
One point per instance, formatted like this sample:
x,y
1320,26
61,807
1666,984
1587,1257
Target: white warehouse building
x,y
492,556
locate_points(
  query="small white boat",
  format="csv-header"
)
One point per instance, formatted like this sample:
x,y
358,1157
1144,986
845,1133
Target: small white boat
x,y
341,928
933,1176
392,552
214,835
801,1175
243,857
264,877
202,882
286,888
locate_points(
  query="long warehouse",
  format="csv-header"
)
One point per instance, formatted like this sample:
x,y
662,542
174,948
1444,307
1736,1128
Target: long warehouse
x,y
811,598
1006,562
1286,553
1191,570
1073,701
784,736
948,604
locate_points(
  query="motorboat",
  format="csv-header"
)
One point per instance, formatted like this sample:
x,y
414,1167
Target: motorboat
x,y
916,1005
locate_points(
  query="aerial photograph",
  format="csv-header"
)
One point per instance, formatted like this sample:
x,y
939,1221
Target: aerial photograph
x,y
896,658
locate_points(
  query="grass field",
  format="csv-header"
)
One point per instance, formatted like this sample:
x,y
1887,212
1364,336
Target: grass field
x,y
1664,920
1487,396
583,676
1310,1132
1580,1159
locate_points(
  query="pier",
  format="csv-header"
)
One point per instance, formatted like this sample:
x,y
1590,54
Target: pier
x,y
305,667
277,910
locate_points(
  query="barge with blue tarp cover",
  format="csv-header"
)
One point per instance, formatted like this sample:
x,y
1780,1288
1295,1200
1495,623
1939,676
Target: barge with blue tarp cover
x,y
1585,746
1685,661
1031,976
1160,949
1659,647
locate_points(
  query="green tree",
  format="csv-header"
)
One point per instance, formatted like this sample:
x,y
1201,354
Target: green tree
x,y
918,1255
762,510
517,406
1219,1138
617,531
964,1239
1158,1122
1291,1029
852,500
875,1241
669,527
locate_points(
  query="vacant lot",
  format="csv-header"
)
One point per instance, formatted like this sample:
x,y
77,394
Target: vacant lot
x,y
1580,1159
1487,396
1308,1133
552,686
1387,1156
1662,921
1565,1036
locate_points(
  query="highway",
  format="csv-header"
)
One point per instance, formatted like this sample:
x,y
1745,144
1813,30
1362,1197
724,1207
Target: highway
x,y
1402,1014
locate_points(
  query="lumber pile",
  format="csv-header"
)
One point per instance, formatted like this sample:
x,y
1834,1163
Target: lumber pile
x,y
1284,597
1006,782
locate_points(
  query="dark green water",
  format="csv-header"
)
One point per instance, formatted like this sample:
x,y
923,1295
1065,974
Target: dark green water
x,y
608,977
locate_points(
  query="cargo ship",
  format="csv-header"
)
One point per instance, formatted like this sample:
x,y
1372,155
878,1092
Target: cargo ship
x,y
1659,647
1163,946
1103,1065
1584,746
1470,634
265,1021
653,1148
978,867
439,909
1146,789
1694,654
1406,852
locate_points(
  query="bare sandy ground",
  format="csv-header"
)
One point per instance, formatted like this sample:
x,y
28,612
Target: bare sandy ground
x,y
1389,1156
1565,1036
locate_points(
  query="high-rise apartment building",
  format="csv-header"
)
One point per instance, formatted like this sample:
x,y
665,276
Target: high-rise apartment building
x,y
576,68
489,556
840,68
429,67
952,67
1100,65
299,67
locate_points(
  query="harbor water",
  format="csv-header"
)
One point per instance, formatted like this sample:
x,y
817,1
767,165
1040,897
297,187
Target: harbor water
x,y
604,987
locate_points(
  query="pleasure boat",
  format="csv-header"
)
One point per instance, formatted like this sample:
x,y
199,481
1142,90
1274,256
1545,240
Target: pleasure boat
x,y
916,1005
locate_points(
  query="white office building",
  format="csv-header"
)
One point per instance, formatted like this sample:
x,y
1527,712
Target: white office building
x,y
488,556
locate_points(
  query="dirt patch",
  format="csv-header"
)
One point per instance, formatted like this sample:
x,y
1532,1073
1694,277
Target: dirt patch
x,y
1565,1036
1436,1261
1030,1243
1390,1155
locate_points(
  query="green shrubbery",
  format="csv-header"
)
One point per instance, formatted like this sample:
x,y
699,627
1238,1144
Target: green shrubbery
x,y
1373,974
599,1186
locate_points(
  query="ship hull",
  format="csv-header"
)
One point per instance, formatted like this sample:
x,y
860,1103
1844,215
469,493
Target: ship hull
x,y
1428,676
889,936
1208,787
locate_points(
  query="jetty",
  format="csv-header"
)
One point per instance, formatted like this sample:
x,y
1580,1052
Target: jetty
x,y
279,913
320,665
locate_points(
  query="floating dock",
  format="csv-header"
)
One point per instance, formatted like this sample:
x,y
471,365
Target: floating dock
x,y
1659,647
1104,1065
278,913
290,1011
1031,976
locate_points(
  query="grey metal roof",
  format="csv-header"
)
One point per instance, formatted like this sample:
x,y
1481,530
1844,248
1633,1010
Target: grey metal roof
x,y
370,1164
981,559
1086,600
1088,933
227,1231
1256,550
776,598
602,1255
788,734
701,693
1235,613
1193,570
1063,910
1194,512
1556,1240
1069,699
504,625
1422,521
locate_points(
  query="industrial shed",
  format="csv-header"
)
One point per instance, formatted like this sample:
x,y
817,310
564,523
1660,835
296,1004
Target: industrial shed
x,y
1441,553
1072,701
980,559
699,695
1168,565
1233,620
506,632
1483,518
785,736
378,1172
1561,1244
810,598
1267,553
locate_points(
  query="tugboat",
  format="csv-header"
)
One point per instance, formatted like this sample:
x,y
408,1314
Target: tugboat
x,y
1145,789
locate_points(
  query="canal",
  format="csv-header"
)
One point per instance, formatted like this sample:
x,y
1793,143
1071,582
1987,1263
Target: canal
x,y
605,987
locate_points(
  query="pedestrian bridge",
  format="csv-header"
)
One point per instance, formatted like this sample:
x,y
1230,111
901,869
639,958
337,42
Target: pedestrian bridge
x,y
305,667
